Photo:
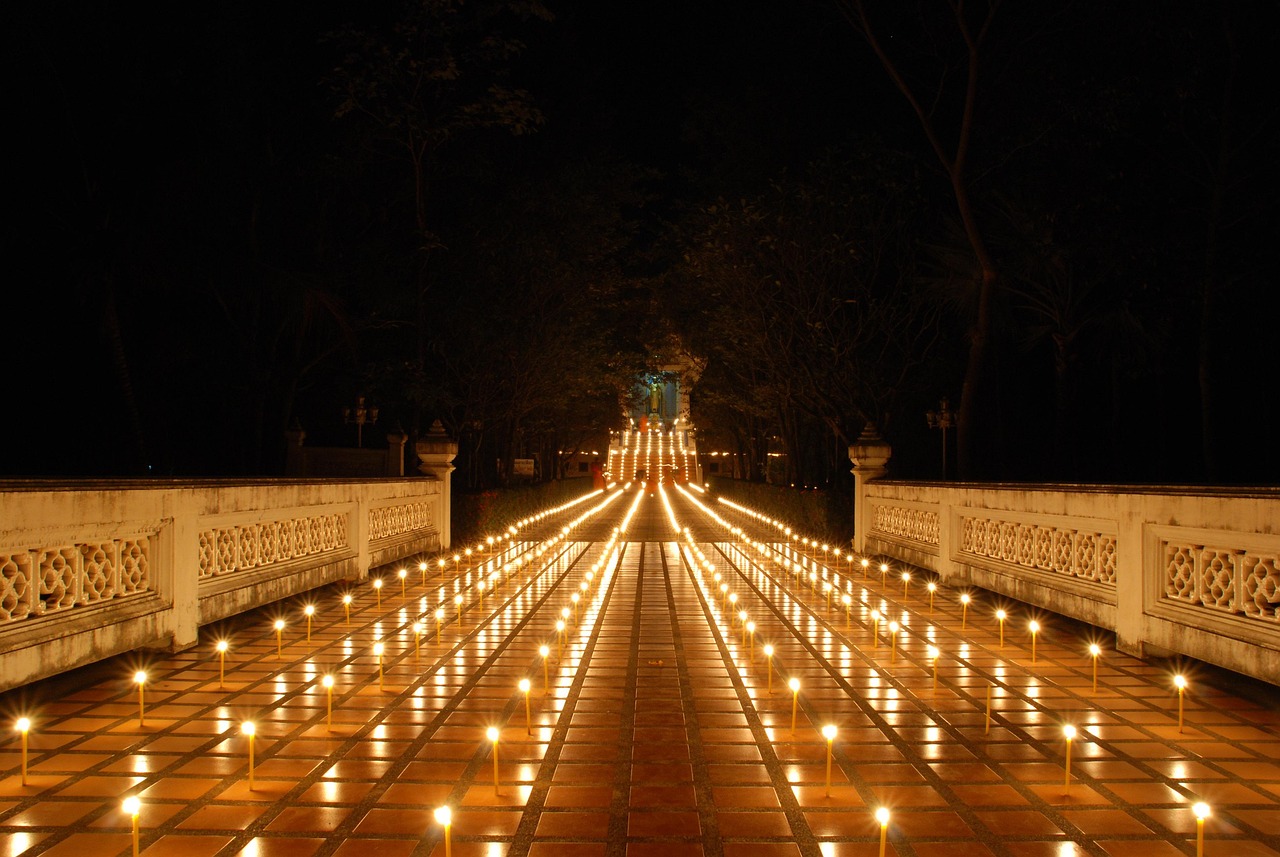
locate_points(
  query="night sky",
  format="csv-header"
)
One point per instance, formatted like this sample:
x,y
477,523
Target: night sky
x,y
153,153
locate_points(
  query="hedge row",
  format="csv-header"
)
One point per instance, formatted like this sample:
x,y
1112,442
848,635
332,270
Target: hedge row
x,y
825,515
478,514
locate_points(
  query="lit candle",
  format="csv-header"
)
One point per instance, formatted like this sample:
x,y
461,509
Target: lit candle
x,y
1201,809
933,588
377,587
140,678
1069,733
964,610
417,640
1001,615
559,639
574,599
545,651
884,574
327,681
444,818
866,567
906,582
528,718
457,602
829,732
893,642
750,629
1094,651
422,567
794,684
249,730
279,626
848,603
23,725
1034,627
480,589
402,574
933,656
378,649
875,629
882,816
1180,682
133,806
493,735
346,605
309,611
222,647
768,658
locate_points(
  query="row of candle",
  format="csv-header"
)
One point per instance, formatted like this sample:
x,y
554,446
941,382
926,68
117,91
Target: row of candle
x,y
132,804
1180,683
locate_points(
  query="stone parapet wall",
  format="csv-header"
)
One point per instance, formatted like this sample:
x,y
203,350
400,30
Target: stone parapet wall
x,y
90,570
1182,570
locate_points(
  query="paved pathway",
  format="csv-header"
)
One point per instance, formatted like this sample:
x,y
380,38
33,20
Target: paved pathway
x,y
663,727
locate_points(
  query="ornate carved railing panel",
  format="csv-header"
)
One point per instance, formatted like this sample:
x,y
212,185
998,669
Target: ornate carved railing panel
x,y
239,547
37,581
1221,572
389,521
1066,546
913,523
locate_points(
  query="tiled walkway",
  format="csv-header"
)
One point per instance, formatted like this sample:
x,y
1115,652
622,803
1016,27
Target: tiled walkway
x,y
663,728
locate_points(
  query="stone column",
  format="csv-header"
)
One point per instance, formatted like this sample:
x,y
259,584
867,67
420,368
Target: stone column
x,y
436,451
870,457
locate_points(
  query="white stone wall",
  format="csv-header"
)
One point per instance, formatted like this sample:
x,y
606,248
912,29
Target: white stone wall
x,y
91,570
1194,571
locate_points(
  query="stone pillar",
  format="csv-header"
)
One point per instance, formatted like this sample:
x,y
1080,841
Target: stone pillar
x,y
870,457
436,451
395,451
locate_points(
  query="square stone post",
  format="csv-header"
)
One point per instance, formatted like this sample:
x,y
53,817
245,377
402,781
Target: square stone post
x,y
436,451
870,457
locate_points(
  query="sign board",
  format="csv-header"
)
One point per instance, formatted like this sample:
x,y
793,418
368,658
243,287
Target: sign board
x,y
522,467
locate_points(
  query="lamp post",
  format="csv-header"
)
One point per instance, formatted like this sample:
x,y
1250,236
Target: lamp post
x,y
360,415
943,418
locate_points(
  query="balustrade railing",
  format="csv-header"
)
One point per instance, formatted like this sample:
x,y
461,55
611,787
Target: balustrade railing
x,y
1190,571
94,569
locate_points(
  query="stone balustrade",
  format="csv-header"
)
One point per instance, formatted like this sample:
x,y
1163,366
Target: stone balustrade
x,y
92,569
1171,570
